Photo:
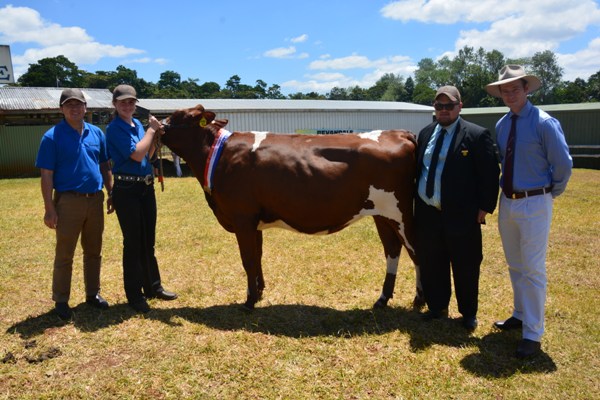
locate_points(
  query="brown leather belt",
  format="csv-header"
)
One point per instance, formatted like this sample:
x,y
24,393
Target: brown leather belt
x,y
529,193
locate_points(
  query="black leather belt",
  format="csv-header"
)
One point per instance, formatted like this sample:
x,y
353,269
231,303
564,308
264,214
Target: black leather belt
x,y
148,179
79,194
529,193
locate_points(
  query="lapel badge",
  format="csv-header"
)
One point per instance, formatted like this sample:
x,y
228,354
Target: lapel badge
x,y
464,152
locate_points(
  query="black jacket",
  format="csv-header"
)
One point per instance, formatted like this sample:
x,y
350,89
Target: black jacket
x,y
470,179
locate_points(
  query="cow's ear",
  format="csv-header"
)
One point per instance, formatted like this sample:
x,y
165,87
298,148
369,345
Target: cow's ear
x,y
206,118
220,123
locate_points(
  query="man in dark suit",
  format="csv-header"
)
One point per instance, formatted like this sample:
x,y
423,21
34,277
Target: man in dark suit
x,y
457,186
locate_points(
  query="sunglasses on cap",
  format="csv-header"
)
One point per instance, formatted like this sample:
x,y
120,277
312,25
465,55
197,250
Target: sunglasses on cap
x,y
447,107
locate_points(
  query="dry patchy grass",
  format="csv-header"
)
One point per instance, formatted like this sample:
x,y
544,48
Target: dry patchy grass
x,y
314,335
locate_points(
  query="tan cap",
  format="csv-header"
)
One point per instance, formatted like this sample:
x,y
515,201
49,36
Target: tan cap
x,y
450,91
123,92
69,94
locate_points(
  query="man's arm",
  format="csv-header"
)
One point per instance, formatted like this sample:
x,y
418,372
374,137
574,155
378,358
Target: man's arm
x,y
47,183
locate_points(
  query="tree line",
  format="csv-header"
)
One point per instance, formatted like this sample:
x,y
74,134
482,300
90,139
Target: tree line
x,y
470,70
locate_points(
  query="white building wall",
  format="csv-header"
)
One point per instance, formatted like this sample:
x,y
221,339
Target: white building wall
x,y
293,121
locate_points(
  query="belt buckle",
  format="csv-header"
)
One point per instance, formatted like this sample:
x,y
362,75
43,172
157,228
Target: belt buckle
x,y
148,179
513,196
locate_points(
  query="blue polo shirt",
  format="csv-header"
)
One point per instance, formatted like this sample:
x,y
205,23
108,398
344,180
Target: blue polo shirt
x,y
75,159
121,140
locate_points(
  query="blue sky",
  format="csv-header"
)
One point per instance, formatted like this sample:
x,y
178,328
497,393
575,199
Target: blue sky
x,y
302,46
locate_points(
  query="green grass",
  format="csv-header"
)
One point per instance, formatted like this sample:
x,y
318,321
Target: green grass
x,y
314,335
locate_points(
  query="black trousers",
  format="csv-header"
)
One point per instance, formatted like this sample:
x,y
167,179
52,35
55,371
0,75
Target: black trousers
x,y
135,205
445,244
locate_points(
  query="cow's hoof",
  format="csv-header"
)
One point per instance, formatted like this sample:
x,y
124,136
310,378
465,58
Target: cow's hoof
x,y
380,303
248,306
418,302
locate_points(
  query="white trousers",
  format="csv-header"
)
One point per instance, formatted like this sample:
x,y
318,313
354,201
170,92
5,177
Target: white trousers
x,y
524,226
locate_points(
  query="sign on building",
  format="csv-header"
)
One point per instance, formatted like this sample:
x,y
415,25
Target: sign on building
x,y
6,69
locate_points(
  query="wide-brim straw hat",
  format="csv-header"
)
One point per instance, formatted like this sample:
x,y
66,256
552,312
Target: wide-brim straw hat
x,y
510,73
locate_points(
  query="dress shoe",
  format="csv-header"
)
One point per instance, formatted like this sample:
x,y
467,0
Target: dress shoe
x,y
435,314
528,348
469,323
140,306
509,324
163,294
97,301
63,310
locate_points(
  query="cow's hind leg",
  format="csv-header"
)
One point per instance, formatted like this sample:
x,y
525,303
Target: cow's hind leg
x,y
250,245
391,247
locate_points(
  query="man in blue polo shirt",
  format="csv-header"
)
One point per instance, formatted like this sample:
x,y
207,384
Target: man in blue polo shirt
x,y
74,166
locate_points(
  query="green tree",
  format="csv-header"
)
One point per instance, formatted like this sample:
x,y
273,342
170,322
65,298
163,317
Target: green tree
x,y
260,89
357,93
169,80
423,94
571,92
52,72
274,92
545,66
337,93
209,90
409,88
593,87
390,87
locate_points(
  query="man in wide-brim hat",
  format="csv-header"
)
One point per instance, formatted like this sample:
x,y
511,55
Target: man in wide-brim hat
x,y
536,167
511,73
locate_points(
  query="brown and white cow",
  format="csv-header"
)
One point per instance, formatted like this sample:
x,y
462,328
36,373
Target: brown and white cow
x,y
306,183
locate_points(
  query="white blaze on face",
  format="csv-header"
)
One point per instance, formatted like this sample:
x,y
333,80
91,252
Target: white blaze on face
x,y
258,138
373,135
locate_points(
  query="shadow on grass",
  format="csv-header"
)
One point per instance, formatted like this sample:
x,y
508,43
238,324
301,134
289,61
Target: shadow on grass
x,y
494,359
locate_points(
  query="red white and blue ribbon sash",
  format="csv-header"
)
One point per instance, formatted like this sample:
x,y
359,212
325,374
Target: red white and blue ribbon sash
x,y
213,157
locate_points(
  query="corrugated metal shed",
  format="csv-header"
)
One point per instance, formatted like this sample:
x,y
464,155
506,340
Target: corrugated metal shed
x,y
303,115
17,100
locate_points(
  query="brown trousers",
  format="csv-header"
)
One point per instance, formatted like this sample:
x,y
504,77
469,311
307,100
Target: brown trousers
x,y
77,215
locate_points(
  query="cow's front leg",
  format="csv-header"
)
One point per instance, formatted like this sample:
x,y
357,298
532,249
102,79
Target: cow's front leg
x,y
249,241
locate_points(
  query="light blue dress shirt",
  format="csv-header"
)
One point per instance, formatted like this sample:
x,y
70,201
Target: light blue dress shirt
x,y
435,200
542,156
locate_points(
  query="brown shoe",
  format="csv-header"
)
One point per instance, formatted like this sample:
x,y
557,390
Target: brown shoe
x,y
509,324
528,348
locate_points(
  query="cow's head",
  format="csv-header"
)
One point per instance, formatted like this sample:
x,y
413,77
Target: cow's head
x,y
186,127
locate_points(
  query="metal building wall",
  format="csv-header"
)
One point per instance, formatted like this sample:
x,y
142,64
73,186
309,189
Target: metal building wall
x,y
292,121
18,149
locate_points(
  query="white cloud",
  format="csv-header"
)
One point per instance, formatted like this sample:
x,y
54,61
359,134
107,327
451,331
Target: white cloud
x,y
147,60
300,39
285,52
280,52
581,64
25,25
451,11
324,81
349,62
